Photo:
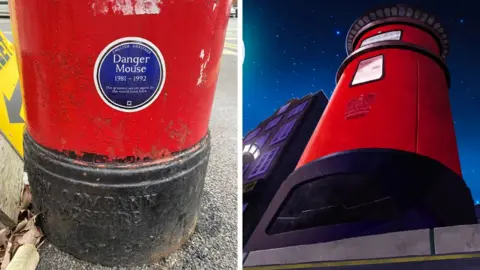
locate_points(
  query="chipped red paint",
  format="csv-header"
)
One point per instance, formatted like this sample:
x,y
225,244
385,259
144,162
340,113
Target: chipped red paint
x,y
63,109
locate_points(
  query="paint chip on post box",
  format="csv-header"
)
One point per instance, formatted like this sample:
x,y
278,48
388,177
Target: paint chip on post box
x,y
129,74
369,70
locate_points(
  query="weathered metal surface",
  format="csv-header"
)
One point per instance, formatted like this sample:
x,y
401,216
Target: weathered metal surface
x,y
117,215
118,180
64,110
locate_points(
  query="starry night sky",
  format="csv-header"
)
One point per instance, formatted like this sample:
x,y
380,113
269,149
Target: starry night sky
x,y
293,48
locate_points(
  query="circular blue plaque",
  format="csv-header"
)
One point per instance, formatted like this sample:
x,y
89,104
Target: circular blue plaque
x,y
129,74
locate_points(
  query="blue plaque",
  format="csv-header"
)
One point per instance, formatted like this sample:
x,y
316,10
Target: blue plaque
x,y
130,74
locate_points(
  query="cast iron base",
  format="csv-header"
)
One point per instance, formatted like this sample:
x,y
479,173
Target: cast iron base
x,y
117,214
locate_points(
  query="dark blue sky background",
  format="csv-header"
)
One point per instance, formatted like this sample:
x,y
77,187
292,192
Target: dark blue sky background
x,y
293,48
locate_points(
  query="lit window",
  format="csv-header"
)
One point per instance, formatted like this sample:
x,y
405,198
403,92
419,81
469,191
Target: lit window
x,y
252,149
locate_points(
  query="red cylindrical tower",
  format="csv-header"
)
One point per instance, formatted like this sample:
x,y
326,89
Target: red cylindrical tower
x,y
392,92
391,108
118,96
383,157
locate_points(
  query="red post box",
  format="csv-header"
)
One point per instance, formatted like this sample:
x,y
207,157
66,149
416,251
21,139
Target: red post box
x,y
391,109
383,157
118,96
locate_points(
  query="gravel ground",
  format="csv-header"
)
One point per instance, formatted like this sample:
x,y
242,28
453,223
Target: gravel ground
x,y
214,243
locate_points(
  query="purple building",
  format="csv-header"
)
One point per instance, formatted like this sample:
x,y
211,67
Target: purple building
x,y
477,212
271,152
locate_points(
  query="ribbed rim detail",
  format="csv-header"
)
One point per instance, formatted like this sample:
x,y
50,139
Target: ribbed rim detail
x,y
423,19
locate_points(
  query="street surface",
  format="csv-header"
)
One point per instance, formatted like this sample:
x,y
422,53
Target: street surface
x,y
231,47
3,8
6,28
214,243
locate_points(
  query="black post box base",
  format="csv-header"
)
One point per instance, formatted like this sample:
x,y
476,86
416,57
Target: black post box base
x,y
117,213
